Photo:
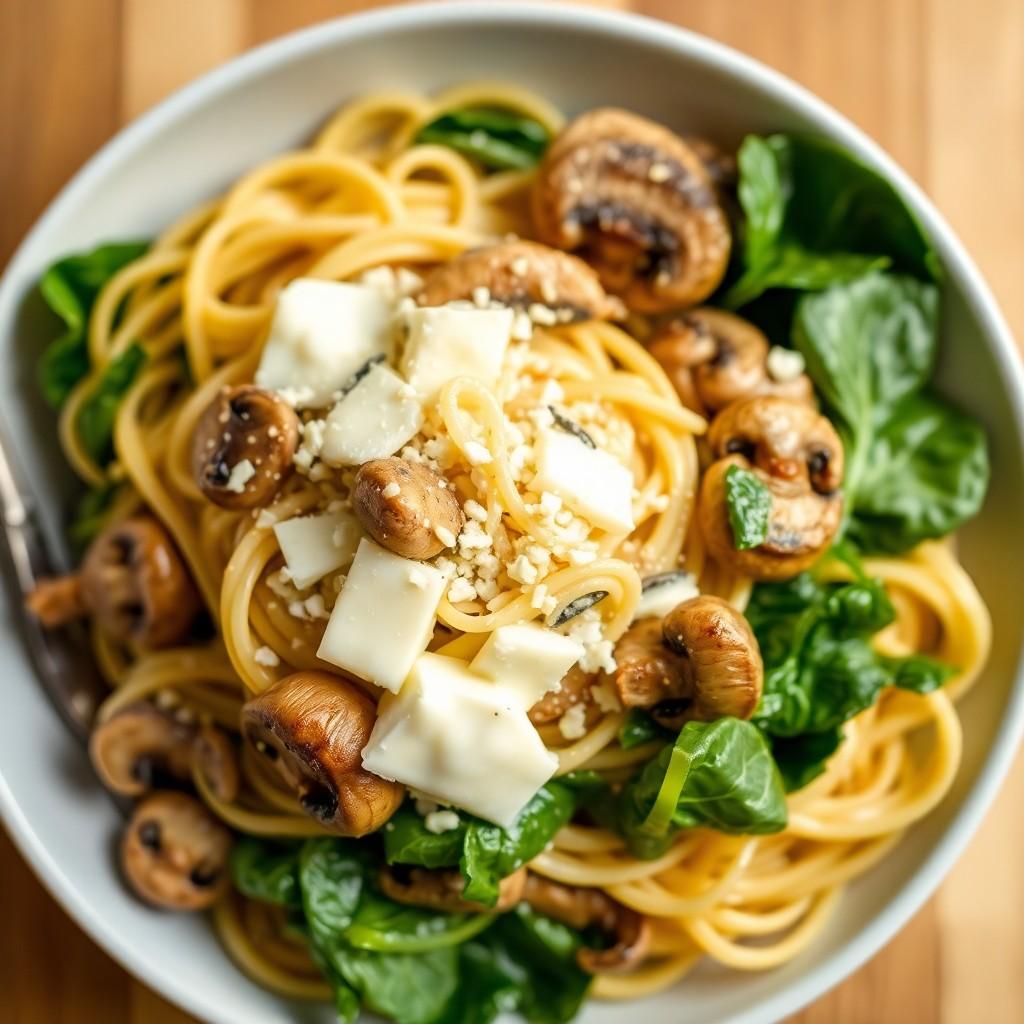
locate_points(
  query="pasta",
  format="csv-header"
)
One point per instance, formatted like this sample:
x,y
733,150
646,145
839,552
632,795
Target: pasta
x,y
367,195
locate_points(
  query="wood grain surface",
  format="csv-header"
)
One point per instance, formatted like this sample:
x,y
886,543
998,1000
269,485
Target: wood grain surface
x,y
939,83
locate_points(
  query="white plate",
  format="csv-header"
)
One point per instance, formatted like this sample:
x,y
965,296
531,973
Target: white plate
x,y
191,147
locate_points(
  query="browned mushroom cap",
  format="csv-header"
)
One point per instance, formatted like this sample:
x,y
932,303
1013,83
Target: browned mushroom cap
x,y
798,456
650,675
719,163
243,447
57,600
214,756
725,667
141,747
406,507
637,204
582,908
312,726
520,274
442,889
174,853
714,358
575,689
136,584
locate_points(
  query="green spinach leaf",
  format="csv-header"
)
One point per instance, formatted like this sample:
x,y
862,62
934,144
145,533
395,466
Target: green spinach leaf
x,y
916,468
497,139
639,728
69,287
384,926
716,774
331,878
749,503
95,422
491,853
820,667
815,215
91,513
485,853
267,871
925,474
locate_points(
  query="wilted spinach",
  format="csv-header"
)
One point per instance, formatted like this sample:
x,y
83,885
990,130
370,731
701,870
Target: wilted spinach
x,y
820,667
412,965
916,468
267,871
814,215
749,503
485,853
716,774
498,139
70,287
95,420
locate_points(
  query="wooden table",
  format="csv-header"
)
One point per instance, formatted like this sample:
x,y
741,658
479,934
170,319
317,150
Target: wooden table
x,y
939,83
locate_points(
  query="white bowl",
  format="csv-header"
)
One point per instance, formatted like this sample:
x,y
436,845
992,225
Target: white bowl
x,y
192,146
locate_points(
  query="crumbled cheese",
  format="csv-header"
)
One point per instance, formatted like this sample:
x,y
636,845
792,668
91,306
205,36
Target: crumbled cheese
x,y
581,556
441,821
392,490
598,652
550,503
542,315
473,509
573,724
520,266
315,607
522,327
477,454
461,590
481,296
241,473
424,805
522,570
539,596
445,536
265,656
784,364
605,697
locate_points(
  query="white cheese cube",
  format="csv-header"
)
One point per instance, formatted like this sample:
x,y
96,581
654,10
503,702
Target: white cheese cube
x,y
375,419
322,332
460,739
313,546
383,617
527,660
446,342
591,482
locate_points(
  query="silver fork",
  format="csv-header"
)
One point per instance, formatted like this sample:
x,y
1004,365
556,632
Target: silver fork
x,y
62,659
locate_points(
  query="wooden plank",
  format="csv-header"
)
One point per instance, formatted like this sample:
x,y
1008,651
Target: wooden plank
x,y
59,101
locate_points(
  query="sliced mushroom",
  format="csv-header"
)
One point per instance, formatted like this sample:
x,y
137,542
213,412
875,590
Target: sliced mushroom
x,y
648,674
174,853
442,889
141,747
243,447
520,274
136,585
407,508
214,755
312,726
796,453
720,164
57,600
636,202
575,689
724,661
714,358
582,908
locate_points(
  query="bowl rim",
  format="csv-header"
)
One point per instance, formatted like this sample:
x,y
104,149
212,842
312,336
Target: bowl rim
x,y
724,59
